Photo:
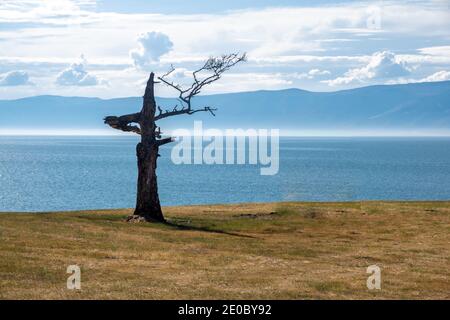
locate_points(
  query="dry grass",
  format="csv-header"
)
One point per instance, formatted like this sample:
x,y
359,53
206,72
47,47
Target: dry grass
x,y
257,251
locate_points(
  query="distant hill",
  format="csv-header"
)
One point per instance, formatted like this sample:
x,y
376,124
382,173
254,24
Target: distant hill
x,y
407,106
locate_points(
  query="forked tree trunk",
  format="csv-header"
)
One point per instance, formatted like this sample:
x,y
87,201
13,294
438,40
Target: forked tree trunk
x,y
147,202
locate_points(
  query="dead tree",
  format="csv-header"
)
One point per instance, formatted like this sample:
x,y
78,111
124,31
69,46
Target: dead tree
x,y
148,207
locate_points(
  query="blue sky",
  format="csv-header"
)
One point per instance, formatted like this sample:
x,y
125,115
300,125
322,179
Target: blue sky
x,y
200,6
106,48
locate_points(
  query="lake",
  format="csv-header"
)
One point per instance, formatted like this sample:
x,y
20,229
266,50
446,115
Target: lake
x,y
74,173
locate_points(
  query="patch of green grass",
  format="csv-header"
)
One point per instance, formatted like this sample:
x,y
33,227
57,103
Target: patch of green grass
x,y
327,286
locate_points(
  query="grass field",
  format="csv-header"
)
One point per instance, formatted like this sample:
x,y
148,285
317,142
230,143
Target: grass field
x,y
246,251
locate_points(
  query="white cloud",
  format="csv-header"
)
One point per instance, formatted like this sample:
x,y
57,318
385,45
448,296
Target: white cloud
x,y
40,38
438,55
436,51
76,75
14,78
55,12
318,72
382,65
152,45
438,76
235,82
181,76
311,74
181,73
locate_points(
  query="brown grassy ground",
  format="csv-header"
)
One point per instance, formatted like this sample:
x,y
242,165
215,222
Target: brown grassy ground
x,y
258,251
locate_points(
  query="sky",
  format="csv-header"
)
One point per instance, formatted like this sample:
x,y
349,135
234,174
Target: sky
x,y
107,48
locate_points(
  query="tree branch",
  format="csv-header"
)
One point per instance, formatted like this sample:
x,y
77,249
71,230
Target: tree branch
x,y
164,141
167,114
215,66
123,122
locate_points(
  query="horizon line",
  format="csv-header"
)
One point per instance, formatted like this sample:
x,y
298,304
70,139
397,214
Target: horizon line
x,y
285,134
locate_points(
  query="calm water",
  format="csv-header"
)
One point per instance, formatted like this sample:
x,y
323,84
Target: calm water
x,y
68,173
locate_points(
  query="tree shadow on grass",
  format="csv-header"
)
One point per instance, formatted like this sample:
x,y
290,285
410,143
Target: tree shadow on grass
x,y
205,229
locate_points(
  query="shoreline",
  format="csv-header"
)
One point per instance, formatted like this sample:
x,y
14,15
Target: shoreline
x,y
361,202
109,210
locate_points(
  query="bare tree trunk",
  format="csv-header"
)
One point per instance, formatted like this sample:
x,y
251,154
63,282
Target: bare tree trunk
x,y
147,202
148,206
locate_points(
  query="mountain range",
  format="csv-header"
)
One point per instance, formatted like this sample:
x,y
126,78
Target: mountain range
x,y
415,106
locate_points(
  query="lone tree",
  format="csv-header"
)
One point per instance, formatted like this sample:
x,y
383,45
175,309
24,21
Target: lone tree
x,y
148,207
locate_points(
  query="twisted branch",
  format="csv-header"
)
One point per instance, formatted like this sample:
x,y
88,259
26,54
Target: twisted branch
x,y
123,122
216,66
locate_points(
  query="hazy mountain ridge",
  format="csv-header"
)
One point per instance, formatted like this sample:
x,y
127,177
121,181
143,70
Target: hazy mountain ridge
x,y
406,106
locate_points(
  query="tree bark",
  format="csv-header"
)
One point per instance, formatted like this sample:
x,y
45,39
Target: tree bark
x,y
148,207
147,203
